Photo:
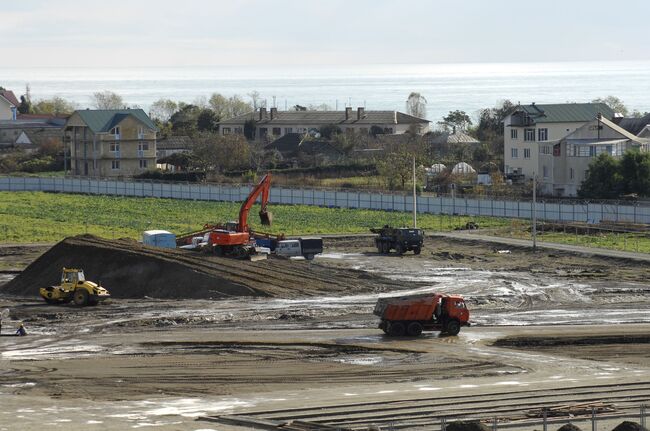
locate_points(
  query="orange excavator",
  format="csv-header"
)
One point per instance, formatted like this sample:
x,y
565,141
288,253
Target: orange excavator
x,y
234,239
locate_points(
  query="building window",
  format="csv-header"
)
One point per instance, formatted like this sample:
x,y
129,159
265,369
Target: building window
x,y
277,131
513,133
143,146
545,149
288,130
545,171
239,130
571,173
115,131
140,132
388,130
529,135
526,153
226,130
263,131
542,134
514,153
114,148
115,165
143,164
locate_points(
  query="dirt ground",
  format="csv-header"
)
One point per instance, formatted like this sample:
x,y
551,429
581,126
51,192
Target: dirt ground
x,y
549,329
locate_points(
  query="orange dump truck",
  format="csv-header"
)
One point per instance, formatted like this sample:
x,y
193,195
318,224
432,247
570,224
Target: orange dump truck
x,y
410,315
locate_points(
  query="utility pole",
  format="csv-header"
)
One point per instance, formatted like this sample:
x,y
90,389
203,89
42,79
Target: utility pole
x,y
534,212
415,199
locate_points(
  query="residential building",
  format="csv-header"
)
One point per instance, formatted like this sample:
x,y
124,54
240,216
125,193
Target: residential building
x,y
172,145
445,143
637,126
563,165
8,105
302,149
110,143
530,126
272,124
29,132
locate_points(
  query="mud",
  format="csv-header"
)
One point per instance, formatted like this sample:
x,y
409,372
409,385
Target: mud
x,y
130,270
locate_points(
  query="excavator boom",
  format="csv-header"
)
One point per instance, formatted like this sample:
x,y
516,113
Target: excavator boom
x,y
263,188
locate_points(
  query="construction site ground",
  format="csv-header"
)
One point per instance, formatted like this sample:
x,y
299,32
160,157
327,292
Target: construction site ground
x,y
298,341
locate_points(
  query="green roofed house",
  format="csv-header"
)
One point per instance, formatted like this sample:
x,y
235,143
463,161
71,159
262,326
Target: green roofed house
x,y
530,130
110,143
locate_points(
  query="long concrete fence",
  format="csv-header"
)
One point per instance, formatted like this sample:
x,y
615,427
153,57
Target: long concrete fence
x,y
549,211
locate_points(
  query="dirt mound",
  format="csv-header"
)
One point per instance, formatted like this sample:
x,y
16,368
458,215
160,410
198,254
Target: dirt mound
x,y
467,426
569,427
629,426
130,270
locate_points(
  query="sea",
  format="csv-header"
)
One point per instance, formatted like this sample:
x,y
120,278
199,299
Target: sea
x,y
469,87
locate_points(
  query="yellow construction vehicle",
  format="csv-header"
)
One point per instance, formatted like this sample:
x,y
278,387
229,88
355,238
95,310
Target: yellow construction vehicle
x,y
74,287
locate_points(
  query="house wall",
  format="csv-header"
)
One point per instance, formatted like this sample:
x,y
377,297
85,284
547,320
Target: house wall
x,y
6,111
91,154
528,166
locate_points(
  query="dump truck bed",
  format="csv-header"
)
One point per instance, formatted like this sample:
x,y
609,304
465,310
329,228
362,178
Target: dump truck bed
x,y
415,307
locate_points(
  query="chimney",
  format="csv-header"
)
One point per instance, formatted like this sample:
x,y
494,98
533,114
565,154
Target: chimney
x,y
274,113
348,113
360,113
262,113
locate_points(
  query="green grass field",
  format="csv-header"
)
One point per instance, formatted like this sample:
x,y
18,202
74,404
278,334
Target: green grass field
x,y
46,217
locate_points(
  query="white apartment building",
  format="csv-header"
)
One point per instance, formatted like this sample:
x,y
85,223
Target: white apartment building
x,y
531,128
563,165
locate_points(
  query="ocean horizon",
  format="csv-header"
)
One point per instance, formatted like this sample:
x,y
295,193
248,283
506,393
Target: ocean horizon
x,y
447,87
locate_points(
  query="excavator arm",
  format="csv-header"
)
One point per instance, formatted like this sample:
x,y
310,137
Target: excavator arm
x,y
263,188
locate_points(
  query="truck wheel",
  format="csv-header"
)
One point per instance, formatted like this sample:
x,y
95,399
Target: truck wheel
x,y
397,329
452,327
417,250
414,329
217,250
309,256
80,297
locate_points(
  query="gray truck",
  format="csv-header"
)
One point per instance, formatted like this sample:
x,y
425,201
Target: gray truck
x,y
399,239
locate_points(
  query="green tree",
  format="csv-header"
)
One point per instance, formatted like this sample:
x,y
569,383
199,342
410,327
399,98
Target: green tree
x,y
396,165
54,106
184,121
25,106
207,121
603,179
220,105
328,131
107,100
249,129
456,120
613,102
635,172
218,154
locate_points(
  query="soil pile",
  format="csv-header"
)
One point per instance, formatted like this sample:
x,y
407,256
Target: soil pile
x,y
629,426
467,426
569,427
130,270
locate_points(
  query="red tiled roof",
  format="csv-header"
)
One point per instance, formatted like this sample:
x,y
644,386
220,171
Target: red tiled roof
x,y
10,96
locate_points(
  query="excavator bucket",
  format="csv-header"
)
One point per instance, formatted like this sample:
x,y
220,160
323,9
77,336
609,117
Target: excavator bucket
x,y
266,218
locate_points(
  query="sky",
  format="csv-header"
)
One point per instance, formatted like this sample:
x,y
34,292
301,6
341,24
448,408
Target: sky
x,y
136,33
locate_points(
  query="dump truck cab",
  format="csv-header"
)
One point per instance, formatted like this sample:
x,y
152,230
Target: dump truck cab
x,y
410,315
74,287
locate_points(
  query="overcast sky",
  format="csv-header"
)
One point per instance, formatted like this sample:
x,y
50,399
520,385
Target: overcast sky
x,y
121,33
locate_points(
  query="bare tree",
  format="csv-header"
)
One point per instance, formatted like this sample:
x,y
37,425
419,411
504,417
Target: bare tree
x,y
416,105
107,100
255,98
163,109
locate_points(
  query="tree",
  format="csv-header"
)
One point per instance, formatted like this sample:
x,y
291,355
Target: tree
x,y
396,165
490,126
635,172
321,107
249,129
207,121
25,106
416,105
238,106
54,106
255,99
328,131
163,109
220,105
603,179
613,102
215,153
108,100
184,121
456,120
